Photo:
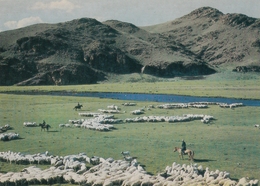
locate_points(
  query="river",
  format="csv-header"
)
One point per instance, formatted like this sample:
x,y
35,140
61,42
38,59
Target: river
x,y
158,97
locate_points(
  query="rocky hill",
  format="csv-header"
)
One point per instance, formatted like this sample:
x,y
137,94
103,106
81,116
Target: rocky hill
x,y
230,40
85,51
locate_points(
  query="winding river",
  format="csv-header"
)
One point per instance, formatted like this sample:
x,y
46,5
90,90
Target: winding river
x,y
158,97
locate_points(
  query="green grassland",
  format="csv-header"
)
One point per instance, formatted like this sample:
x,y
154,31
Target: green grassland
x,y
224,84
230,143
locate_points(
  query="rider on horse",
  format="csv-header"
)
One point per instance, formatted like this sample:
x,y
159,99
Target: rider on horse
x,y
43,123
183,146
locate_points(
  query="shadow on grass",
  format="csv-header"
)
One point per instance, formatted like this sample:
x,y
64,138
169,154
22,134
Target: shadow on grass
x,y
203,160
53,131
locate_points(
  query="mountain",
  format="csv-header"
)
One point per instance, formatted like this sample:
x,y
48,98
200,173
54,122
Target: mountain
x,y
85,51
230,40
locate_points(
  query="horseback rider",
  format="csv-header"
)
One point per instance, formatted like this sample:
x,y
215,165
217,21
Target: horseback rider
x,y
43,123
78,104
183,146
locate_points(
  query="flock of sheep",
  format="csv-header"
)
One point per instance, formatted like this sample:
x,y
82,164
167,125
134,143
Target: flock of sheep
x,y
104,120
7,136
83,170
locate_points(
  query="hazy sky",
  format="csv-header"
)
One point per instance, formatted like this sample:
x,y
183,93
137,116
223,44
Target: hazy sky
x,y
19,13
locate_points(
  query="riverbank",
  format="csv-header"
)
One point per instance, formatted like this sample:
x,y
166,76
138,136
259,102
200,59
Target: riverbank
x,y
239,89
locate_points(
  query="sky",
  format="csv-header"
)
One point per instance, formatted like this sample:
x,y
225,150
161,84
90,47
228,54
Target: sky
x,y
20,13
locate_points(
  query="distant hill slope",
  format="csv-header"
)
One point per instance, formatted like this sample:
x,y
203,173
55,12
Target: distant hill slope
x,y
85,51
231,40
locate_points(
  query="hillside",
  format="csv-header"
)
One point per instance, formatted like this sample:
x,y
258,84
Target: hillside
x,y
230,40
86,51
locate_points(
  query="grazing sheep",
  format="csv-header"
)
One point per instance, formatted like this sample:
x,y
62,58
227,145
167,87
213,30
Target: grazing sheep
x,y
113,107
257,125
125,153
109,111
137,112
115,172
128,158
9,136
129,104
30,124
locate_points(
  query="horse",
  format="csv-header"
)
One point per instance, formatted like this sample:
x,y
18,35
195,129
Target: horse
x,y
46,126
188,152
77,107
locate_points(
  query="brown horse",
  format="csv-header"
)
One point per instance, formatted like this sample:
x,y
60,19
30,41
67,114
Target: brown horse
x,y
188,152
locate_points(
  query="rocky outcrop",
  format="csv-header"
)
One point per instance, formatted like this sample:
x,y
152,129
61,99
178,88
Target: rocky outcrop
x,y
66,75
178,69
109,59
247,69
14,70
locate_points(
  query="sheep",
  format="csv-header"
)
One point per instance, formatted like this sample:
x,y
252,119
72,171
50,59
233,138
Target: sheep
x,y
7,127
61,125
257,125
90,114
94,160
68,125
129,104
116,172
206,121
128,158
113,107
30,124
125,153
9,136
137,112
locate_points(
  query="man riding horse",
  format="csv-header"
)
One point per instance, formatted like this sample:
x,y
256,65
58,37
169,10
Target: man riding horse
x,y
78,106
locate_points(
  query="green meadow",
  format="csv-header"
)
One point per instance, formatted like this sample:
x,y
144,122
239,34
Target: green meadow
x,y
230,143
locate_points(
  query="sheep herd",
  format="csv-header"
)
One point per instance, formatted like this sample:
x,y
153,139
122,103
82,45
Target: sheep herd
x,y
103,120
4,136
83,170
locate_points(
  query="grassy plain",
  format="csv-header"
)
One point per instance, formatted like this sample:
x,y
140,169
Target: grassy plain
x,y
230,143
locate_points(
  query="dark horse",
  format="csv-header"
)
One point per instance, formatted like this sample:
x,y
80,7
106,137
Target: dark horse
x,y
78,107
44,126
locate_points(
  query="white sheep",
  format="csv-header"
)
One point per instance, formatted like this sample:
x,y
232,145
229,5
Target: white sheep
x,y
30,124
137,112
128,158
125,153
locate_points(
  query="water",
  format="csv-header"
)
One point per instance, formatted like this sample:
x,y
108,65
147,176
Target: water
x,y
160,98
